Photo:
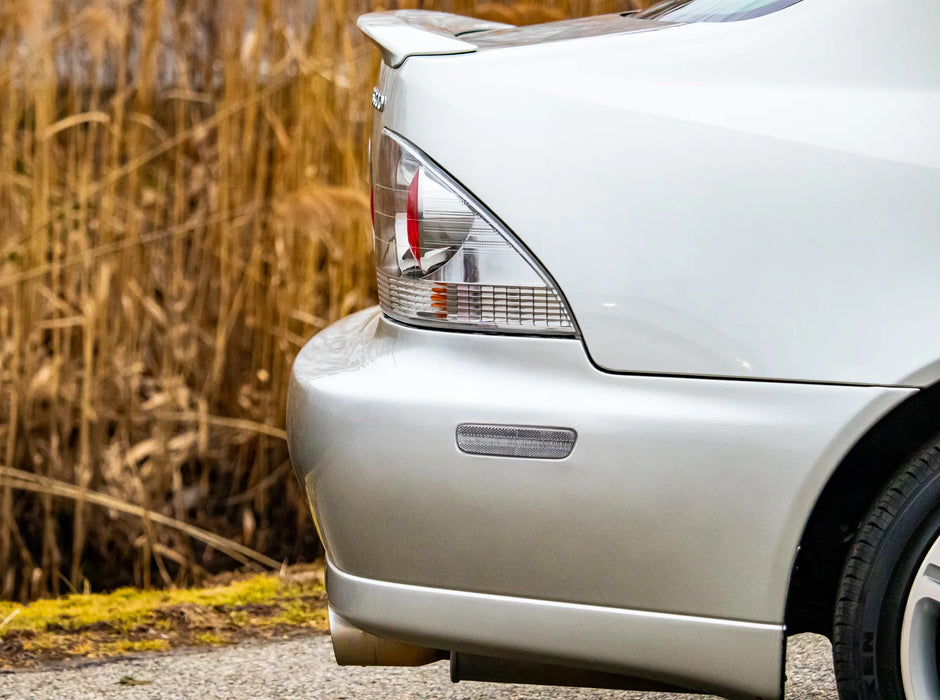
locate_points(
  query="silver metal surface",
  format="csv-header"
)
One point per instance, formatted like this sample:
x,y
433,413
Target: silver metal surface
x,y
598,25
378,99
403,33
400,34
355,647
919,631
686,496
682,252
515,441
732,658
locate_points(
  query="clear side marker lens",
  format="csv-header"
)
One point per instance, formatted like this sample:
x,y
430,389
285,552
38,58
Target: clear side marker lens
x,y
515,441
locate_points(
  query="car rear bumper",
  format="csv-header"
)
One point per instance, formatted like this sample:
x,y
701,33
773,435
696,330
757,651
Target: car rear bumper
x,y
726,657
666,537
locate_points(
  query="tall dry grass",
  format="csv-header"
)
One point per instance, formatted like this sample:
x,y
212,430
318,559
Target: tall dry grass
x,y
182,203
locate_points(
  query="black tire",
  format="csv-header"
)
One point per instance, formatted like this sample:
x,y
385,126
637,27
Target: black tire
x,y
887,552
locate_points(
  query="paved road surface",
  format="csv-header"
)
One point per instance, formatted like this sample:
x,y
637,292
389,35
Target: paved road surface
x,y
305,669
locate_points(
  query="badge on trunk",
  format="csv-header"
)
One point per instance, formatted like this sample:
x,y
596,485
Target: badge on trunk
x,y
378,99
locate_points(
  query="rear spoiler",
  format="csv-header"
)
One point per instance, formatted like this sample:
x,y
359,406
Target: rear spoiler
x,y
403,33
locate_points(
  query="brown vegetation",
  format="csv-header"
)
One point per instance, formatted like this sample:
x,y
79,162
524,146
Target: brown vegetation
x,y
182,203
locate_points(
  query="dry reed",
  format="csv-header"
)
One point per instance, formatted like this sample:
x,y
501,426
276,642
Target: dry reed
x,y
182,203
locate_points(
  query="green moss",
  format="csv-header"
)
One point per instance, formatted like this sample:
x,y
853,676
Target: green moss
x,y
164,625
211,639
126,620
127,608
298,612
127,646
239,618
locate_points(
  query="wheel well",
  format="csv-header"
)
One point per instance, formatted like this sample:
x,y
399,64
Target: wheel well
x,y
847,497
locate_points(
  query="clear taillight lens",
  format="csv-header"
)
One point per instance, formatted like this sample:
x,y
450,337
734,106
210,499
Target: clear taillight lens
x,y
443,261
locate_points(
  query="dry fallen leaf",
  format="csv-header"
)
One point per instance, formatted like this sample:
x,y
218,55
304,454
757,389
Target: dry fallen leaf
x,y
130,680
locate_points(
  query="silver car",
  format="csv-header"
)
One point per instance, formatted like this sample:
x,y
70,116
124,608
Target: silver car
x,y
653,382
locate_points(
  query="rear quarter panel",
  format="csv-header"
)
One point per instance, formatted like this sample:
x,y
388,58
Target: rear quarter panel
x,y
754,199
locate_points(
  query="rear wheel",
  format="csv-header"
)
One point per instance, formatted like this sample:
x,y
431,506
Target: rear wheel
x,y
885,638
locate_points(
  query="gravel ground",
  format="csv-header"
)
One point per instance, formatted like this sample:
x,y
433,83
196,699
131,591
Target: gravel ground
x,y
304,668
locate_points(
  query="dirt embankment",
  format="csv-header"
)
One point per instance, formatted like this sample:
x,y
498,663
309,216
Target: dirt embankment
x,y
233,607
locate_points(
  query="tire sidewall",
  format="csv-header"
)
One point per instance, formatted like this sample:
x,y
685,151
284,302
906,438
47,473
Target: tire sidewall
x,y
880,612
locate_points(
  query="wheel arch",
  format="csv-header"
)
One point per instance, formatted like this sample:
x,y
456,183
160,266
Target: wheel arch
x,y
863,472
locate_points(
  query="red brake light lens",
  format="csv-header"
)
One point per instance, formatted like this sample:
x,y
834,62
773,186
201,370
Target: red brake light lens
x,y
414,235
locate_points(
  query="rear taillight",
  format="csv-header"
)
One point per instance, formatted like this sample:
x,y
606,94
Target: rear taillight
x,y
442,260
